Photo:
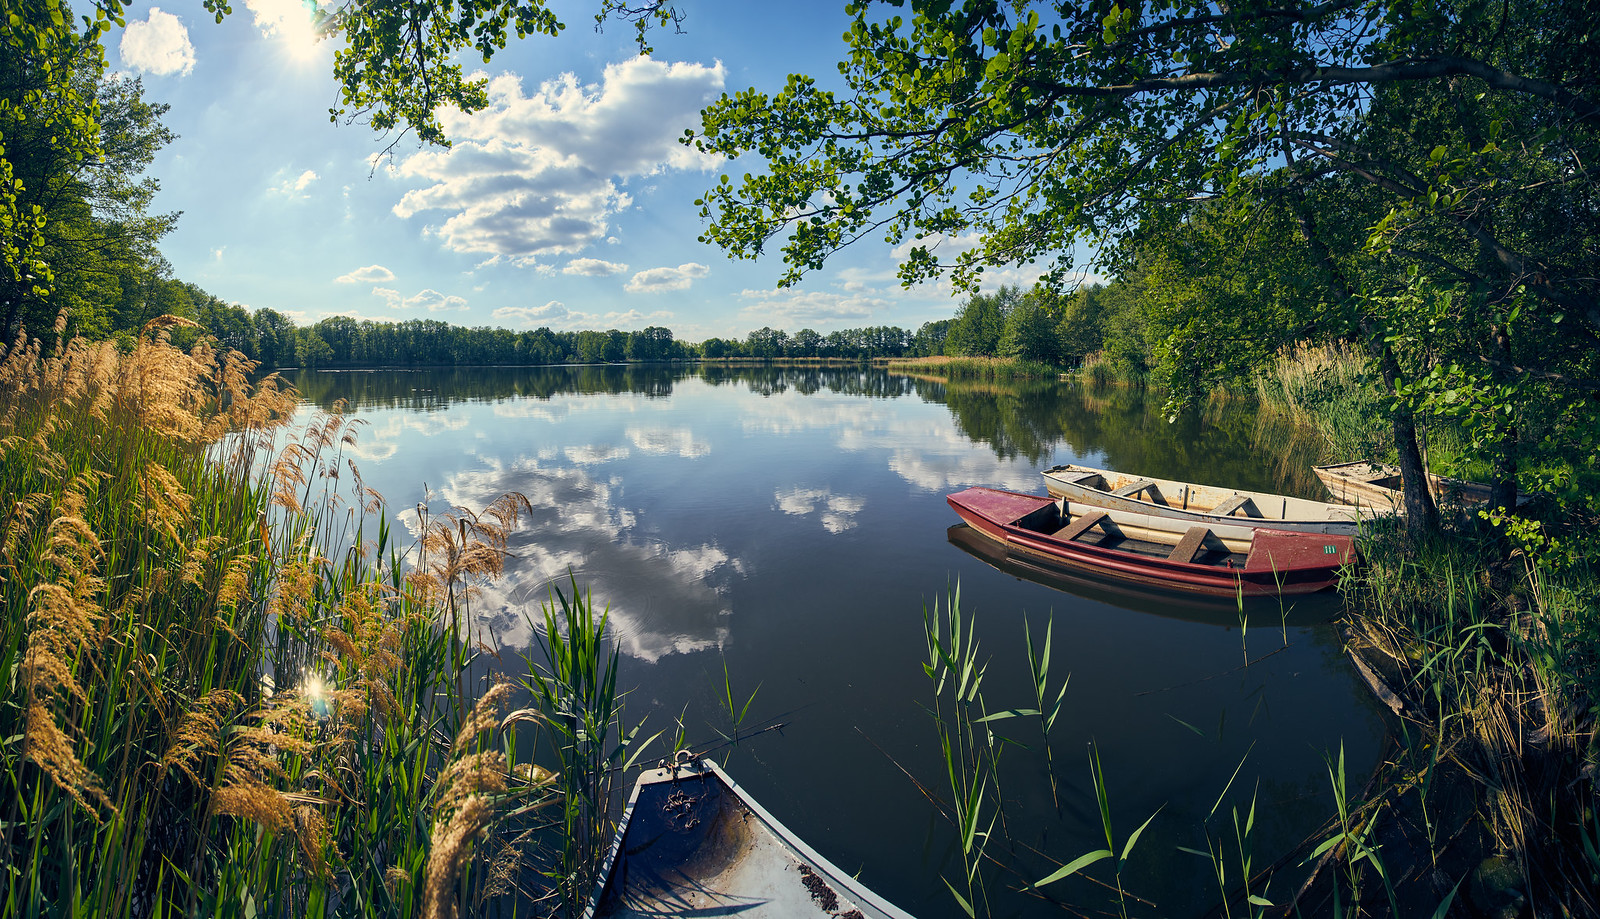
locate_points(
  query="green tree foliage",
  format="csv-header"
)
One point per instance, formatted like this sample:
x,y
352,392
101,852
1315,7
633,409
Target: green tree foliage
x,y
980,322
1455,136
1030,332
930,339
74,204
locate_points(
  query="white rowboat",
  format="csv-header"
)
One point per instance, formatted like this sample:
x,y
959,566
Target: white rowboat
x,y
1206,504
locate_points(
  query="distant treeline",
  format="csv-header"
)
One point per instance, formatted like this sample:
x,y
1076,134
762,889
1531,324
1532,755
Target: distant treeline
x,y
275,341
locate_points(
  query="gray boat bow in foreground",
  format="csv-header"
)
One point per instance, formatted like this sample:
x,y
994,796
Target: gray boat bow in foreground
x,y
693,843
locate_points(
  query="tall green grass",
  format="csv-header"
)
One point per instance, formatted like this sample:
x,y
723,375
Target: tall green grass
x,y
1333,390
1495,663
974,368
204,713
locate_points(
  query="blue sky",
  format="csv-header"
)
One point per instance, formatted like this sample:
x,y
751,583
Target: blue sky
x,y
568,203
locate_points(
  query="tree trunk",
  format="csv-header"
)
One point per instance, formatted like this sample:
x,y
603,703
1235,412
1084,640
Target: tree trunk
x,y
1422,514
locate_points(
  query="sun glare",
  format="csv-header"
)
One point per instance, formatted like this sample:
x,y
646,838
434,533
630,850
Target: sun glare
x,y
291,23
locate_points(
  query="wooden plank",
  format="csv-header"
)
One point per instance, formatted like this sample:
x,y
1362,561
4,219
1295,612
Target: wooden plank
x,y
1075,478
1077,527
1133,488
1189,546
1227,507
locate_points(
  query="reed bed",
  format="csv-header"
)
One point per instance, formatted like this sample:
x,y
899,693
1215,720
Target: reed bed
x,y
1333,390
974,368
207,711
1101,369
1494,670
1484,639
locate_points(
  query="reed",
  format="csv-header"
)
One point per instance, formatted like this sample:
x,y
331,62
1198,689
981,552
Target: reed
x,y
579,713
970,748
227,691
1333,390
974,368
1100,369
1493,665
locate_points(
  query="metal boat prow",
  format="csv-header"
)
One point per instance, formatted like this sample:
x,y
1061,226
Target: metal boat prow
x,y
693,843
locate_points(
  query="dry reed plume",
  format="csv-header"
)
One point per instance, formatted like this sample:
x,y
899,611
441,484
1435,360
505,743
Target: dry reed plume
x,y
224,692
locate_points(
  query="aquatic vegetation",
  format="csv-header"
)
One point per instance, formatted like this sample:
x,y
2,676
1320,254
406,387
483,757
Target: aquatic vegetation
x,y
224,693
974,368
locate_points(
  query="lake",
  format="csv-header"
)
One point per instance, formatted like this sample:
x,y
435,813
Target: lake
x,y
790,526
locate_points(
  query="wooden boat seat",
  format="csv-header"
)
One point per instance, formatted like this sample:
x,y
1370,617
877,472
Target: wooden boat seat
x,y
1079,526
1189,546
1133,488
1226,508
1076,477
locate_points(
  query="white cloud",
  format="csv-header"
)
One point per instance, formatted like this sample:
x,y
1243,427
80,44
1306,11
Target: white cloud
x,y
426,298
296,187
797,309
157,44
655,280
435,301
289,19
369,274
593,267
633,319
353,314
552,313
539,175
837,512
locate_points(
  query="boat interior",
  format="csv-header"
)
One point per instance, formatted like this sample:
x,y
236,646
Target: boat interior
x,y
1192,498
1198,546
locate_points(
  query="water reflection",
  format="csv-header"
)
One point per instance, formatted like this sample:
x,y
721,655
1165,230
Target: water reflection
x,y
1119,427
790,524
1290,611
663,599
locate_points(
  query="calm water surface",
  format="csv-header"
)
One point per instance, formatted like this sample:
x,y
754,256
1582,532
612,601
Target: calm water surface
x,y
791,525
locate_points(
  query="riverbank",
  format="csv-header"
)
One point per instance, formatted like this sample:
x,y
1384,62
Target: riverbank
x,y
227,690
1483,640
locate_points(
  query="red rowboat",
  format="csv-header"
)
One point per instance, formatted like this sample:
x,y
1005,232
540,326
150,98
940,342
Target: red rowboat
x,y
1278,562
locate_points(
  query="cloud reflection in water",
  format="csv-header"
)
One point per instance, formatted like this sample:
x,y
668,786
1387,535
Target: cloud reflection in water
x,y
663,599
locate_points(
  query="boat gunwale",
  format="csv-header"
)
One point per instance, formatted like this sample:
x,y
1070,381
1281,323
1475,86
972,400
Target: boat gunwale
x,y
702,768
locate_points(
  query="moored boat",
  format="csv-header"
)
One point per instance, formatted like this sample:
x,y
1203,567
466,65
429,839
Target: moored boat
x,y
1207,504
1380,485
693,843
1277,562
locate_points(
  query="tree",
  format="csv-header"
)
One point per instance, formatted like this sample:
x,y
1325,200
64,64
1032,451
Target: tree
x,y
275,339
1458,127
980,322
1030,330
311,350
766,343
806,343
73,144
1081,330
929,340
653,344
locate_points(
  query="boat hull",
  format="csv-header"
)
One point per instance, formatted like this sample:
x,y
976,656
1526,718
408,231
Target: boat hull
x,y
693,843
1278,562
